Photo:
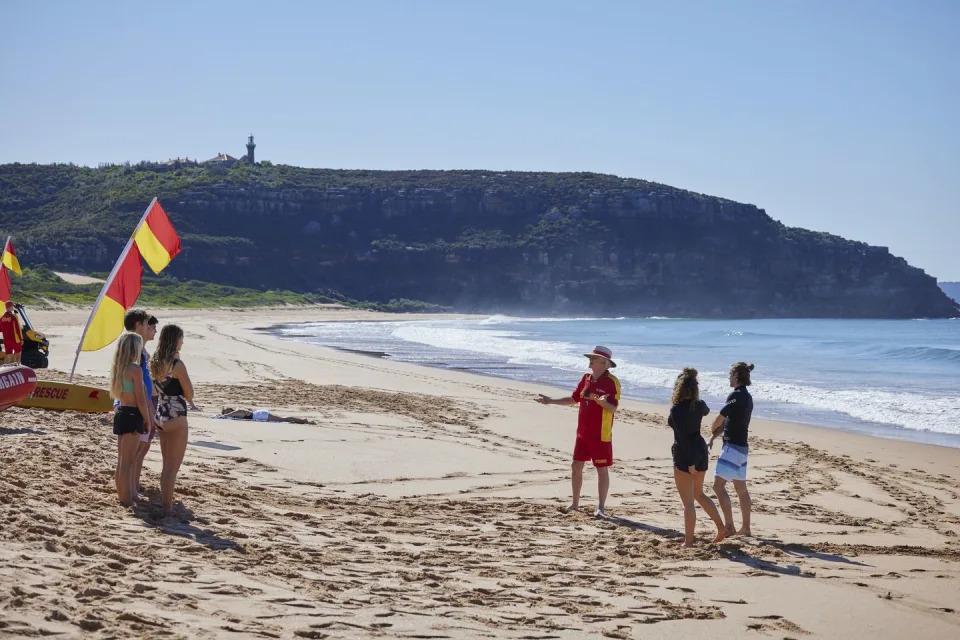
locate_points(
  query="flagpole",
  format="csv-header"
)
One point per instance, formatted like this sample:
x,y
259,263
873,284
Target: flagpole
x,y
106,285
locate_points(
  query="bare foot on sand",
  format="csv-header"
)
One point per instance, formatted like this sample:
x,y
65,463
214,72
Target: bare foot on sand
x,y
573,507
745,533
688,545
729,532
721,535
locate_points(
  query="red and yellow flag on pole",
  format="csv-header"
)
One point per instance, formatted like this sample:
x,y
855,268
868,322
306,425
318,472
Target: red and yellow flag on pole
x,y
157,242
121,292
9,258
8,261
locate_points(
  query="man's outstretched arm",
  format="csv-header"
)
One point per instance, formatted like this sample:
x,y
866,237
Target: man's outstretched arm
x,y
564,401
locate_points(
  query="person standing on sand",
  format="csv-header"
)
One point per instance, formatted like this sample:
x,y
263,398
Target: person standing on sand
x,y
598,395
734,421
145,326
12,335
132,413
176,394
690,455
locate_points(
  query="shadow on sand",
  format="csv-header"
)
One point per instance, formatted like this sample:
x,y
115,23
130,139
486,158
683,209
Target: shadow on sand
x,y
737,550
182,524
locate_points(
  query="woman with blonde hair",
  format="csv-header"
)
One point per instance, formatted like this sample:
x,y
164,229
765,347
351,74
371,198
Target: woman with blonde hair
x,y
175,394
132,415
690,455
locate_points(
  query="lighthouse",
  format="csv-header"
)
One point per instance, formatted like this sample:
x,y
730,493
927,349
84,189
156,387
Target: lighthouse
x,y
250,147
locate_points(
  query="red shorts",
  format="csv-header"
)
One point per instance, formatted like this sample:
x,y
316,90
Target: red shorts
x,y
601,453
12,347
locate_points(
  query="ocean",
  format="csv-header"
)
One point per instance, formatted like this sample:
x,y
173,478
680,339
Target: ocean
x,y
885,378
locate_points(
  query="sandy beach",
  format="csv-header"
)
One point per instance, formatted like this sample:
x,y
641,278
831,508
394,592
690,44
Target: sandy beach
x,y
428,503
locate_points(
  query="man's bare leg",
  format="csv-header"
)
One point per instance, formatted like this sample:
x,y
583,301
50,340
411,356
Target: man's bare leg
x,y
576,480
745,504
603,486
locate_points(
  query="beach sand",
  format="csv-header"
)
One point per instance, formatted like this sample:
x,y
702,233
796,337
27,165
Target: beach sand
x,y
428,503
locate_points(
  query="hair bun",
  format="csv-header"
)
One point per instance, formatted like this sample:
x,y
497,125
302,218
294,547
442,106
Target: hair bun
x,y
750,366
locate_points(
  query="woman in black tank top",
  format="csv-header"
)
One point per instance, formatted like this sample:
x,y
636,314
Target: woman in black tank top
x,y
175,393
690,455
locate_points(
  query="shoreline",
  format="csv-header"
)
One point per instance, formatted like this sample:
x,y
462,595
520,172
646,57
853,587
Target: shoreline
x,y
854,426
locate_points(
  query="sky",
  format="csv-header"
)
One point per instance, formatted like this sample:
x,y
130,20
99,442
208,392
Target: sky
x,y
833,116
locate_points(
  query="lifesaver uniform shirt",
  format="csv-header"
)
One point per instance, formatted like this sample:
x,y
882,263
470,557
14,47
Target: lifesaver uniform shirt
x,y
594,422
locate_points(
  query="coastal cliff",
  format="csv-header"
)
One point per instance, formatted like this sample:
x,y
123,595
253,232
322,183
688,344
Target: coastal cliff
x,y
524,243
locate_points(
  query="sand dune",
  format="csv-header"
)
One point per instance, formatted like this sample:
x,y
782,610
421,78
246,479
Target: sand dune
x,y
77,278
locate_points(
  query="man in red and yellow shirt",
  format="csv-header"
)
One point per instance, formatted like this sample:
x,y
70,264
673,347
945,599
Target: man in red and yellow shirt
x,y
598,395
12,335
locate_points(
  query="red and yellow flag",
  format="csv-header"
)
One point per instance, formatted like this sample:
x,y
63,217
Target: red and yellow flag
x,y
9,259
156,238
120,294
157,242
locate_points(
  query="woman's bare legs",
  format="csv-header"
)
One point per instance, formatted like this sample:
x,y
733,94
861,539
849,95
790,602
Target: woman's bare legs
x,y
173,446
684,482
126,455
707,504
720,488
138,464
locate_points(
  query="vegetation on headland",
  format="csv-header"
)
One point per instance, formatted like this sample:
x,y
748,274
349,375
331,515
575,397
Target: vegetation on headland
x,y
481,241
85,203
40,286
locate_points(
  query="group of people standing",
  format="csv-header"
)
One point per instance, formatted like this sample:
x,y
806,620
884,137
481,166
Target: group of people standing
x,y
598,397
151,398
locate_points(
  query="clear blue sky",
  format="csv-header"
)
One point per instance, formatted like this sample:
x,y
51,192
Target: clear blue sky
x,y
835,116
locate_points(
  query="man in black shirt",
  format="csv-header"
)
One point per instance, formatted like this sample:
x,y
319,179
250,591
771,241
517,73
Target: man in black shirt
x,y
734,422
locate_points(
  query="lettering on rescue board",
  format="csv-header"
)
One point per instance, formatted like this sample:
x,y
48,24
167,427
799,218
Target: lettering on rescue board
x,y
12,379
54,393
63,396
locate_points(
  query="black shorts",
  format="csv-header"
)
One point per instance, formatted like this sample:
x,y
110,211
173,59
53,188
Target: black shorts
x,y
128,420
691,454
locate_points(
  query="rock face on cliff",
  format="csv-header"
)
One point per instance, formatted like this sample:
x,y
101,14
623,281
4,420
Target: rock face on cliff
x,y
532,243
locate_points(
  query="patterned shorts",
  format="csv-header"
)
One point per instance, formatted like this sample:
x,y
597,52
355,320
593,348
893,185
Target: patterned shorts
x,y
732,464
170,407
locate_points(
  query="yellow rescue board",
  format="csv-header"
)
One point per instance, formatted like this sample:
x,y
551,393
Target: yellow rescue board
x,y
62,396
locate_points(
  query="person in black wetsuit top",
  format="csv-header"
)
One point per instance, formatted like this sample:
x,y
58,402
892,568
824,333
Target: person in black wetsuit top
x,y
734,422
690,455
